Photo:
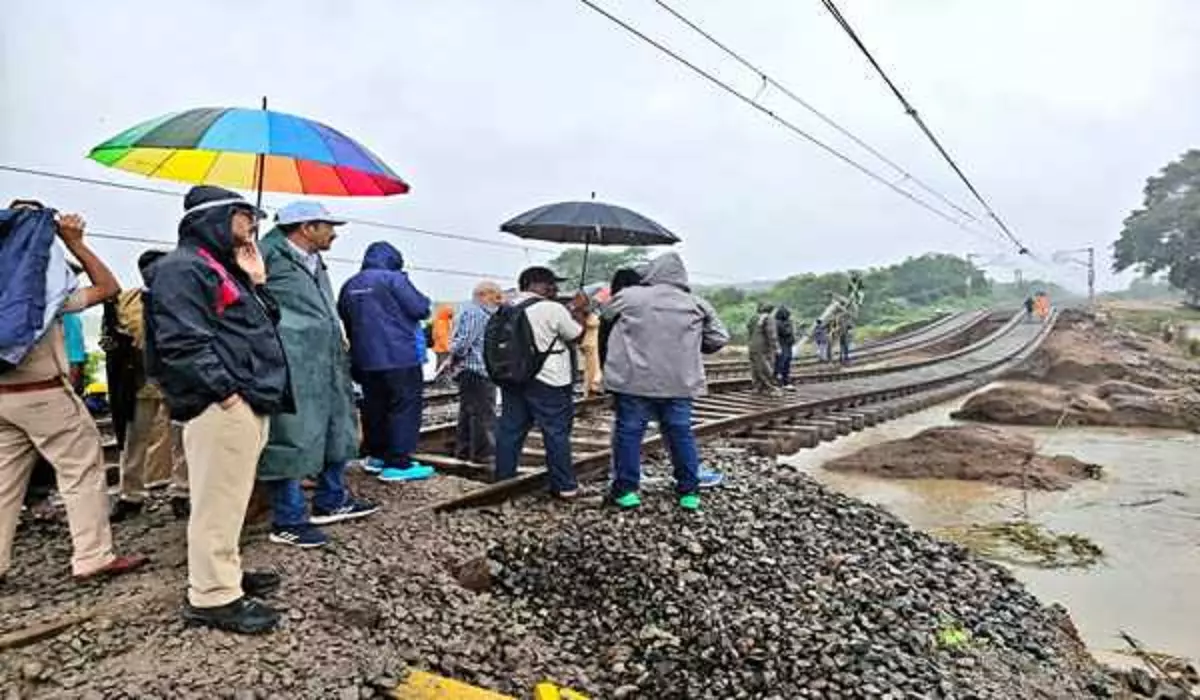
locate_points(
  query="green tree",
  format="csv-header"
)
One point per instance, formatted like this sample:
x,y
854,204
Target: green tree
x,y
601,264
1164,234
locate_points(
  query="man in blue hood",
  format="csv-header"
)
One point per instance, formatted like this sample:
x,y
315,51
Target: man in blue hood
x,y
213,347
382,312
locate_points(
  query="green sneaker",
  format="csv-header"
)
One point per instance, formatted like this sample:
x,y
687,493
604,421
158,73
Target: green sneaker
x,y
690,501
628,500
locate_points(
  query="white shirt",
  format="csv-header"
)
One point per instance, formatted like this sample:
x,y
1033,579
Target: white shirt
x,y
550,320
310,260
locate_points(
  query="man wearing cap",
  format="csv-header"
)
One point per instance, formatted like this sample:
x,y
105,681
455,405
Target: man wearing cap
x,y
212,345
320,437
548,400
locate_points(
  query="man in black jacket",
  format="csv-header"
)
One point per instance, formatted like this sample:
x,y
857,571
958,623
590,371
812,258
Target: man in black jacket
x,y
786,330
214,350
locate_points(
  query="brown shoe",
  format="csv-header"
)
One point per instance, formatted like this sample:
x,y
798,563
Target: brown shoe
x,y
116,567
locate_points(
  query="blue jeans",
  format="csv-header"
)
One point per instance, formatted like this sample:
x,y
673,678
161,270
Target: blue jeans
x,y
287,496
783,364
674,417
551,408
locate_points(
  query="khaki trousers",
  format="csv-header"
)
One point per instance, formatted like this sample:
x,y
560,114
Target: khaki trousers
x,y
153,450
222,448
55,423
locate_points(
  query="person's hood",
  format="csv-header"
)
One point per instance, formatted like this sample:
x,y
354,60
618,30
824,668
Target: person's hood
x,y
665,269
382,255
444,313
783,314
207,219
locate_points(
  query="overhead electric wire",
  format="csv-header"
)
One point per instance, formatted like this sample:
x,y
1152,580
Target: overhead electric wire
x,y
1022,249
329,258
361,222
832,123
778,119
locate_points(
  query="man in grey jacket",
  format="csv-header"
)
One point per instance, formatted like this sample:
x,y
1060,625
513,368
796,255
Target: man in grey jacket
x,y
654,370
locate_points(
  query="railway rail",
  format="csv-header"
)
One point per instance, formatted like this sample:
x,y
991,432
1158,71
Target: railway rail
x,y
814,412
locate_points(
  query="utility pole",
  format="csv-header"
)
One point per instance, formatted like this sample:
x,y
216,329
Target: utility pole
x,y
1068,256
970,257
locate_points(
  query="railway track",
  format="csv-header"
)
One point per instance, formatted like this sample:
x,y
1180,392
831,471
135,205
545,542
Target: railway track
x,y
725,375
781,424
937,331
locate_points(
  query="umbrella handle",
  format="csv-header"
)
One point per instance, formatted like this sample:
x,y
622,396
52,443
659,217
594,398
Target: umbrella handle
x,y
259,166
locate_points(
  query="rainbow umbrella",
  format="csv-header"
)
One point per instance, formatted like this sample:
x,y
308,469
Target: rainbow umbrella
x,y
250,149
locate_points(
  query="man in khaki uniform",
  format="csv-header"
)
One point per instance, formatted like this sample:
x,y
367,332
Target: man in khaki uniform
x,y
40,414
153,445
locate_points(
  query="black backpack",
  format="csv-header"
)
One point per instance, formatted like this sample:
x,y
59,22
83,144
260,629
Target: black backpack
x,y
510,352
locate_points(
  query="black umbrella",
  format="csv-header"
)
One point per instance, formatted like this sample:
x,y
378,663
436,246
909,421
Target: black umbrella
x,y
590,223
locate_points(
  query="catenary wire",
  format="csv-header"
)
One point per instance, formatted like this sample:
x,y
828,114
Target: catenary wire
x,y
829,121
362,222
790,126
912,112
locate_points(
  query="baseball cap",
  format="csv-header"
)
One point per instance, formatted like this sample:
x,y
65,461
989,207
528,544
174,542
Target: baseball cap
x,y
538,275
304,212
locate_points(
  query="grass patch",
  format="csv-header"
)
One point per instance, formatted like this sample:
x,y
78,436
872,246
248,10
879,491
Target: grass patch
x,y
1024,543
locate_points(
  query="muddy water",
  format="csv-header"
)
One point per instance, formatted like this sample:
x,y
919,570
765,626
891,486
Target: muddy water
x,y
1145,513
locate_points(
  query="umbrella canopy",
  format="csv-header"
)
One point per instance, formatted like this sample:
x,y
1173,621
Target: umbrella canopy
x,y
590,223
230,147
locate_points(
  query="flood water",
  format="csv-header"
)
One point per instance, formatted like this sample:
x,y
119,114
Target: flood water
x,y
1144,513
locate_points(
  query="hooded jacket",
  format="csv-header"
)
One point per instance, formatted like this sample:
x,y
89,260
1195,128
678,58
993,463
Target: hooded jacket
x,y
656,345
210,332
322,429
785,329
36,281
382,311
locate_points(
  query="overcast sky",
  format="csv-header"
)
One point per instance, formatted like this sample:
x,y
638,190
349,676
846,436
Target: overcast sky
x,y
1058,109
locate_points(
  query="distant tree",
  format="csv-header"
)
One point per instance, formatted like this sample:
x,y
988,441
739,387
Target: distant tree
x,y
725,296
1164,234
601,264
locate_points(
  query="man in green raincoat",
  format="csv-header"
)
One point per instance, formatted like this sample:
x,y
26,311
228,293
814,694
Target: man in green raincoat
x,y
320,437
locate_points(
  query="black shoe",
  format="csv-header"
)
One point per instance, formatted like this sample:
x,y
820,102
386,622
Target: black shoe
x,y
181,507
122,510
242,616
259,584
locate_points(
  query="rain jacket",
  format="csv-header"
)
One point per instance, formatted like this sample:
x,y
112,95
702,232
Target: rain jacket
x,y
36,281
382,311
763,334
322,429
210,332
655,347
442,325
785,329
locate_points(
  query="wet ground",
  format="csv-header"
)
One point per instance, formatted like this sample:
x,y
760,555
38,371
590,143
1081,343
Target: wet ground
x,y
1144,513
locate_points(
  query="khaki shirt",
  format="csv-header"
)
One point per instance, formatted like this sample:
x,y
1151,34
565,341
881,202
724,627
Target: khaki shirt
x,y
48,358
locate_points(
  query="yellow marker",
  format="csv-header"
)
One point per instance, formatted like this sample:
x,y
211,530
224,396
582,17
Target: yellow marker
x,y
549,691
426,686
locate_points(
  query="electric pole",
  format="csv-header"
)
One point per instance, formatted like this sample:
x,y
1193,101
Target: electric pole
x,y
1069,256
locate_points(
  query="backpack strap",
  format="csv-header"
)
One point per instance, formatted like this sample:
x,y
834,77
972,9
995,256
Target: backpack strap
x,y
542,355
228,292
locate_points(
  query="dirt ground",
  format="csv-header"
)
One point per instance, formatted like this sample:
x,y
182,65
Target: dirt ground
x,y
1090,372
973,452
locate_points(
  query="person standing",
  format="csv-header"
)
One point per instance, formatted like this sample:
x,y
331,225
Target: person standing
x,y
764,346
320,437
213,347
443,323
845,336
153,445
475,439
76,349
821,340
655,369
382,312
545,397
786,332
40,414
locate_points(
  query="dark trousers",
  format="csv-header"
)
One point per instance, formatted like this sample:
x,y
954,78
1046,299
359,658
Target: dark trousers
x,y
475,440
674,418
392,401
844,342
551,408
783,364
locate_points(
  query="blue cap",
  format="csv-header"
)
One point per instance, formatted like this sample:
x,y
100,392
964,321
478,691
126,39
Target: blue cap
x,y
304,212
